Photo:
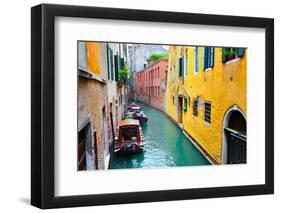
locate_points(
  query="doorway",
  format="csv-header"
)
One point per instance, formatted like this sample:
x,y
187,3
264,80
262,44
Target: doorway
x,y
180,102
234,137
85,154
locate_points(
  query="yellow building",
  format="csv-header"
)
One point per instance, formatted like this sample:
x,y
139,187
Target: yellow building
x,y
206,95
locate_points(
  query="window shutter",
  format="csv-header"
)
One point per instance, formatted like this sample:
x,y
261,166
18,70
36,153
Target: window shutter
x,y
119,62
240,52
116,62
185,105
122,63
196,59
208,57
223,55
111,64
212,58
180,66
108,62
186,65
205,63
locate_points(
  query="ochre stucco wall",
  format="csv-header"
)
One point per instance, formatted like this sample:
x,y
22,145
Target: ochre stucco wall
x,y
224,86
93,57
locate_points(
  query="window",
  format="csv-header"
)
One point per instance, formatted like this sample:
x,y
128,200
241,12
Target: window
x,y
186,63
196,60
173,99
116,66
180,66
209,53
195,107
229,54
82,59
207,112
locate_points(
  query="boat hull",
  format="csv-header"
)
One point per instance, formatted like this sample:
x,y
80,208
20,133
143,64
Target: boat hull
x,y
127,149
141,119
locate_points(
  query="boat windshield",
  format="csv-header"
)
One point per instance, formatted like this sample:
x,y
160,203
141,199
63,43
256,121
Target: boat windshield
x,y
129,133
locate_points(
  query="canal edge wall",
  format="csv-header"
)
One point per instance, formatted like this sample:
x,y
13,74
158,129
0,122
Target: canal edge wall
x,y
194,142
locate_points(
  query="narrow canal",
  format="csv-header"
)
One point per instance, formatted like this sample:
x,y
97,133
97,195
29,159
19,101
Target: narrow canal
x,y
165,145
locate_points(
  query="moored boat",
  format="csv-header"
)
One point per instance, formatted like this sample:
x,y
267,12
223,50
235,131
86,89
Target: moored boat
x,y
140,116
134,108
130,137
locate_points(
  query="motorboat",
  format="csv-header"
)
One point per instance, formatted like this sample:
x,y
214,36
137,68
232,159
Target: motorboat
x,y
138,115
134,108
129,139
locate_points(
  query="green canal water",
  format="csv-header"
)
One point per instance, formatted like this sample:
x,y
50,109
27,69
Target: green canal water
x,y
165,145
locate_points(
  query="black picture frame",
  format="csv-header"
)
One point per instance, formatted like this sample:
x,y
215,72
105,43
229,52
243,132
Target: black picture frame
x,y
43,105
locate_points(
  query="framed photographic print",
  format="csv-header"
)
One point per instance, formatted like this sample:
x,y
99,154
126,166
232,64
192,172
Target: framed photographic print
x,y
139,106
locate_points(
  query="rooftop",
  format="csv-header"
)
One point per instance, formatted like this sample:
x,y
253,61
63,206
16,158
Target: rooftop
x,y
153,63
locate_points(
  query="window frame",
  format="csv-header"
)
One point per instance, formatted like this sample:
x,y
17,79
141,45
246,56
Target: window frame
x,y
208,120
195,112
235,56
209,58
196,60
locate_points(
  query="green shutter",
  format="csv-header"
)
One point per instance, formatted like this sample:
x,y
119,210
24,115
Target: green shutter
x,y
185,105
119,62
224,55
122,63
116,66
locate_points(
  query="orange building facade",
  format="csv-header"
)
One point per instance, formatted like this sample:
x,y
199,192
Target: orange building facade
x,y
151,84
